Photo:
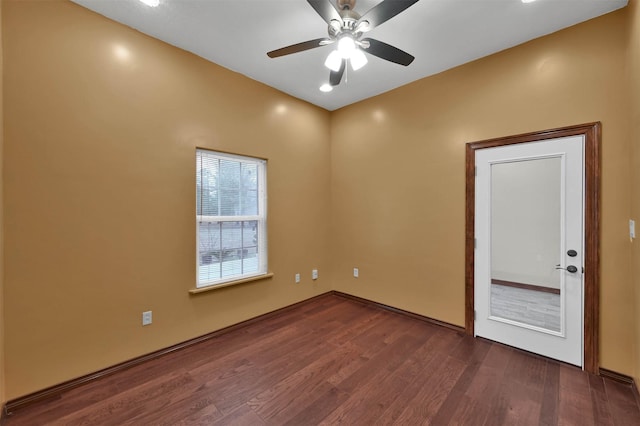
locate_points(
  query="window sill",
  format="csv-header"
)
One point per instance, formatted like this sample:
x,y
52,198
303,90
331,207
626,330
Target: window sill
x,y
230,283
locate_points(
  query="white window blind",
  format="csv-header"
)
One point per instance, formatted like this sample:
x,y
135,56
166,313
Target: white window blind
x,y
231,217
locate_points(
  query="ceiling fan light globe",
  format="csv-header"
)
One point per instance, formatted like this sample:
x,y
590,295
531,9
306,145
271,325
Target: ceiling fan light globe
x,y
334,61
346,46
358,60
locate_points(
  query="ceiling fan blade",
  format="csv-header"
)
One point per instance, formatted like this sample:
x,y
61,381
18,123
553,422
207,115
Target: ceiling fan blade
x,y
336,76
384,11
326,10
299,47
387,52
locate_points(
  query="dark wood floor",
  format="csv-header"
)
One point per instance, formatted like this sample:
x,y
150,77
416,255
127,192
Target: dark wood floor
x,y
334,360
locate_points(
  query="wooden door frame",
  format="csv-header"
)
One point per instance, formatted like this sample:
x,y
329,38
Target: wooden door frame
x,y
592,142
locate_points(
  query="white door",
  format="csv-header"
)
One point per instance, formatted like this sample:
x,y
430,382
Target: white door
x,y
529,246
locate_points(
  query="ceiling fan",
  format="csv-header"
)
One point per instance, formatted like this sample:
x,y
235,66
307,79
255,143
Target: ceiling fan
x,y
346,28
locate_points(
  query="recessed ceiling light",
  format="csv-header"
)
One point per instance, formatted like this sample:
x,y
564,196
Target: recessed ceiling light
x,y
326,87
152,3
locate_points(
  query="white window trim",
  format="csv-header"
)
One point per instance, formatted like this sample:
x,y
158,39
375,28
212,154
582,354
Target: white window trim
x,y
260,218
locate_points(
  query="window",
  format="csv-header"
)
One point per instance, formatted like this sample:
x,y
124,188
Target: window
x,y
231,215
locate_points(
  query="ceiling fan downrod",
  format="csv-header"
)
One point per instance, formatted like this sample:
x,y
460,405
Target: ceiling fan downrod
x,y
346,4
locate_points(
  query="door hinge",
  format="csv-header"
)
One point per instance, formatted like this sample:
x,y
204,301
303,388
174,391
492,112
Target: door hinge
x,y
475,170
475,243
474,315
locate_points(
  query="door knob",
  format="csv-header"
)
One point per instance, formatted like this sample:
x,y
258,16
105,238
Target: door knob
x,y
572,253
569,268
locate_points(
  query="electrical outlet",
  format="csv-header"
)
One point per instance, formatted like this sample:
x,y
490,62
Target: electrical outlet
x,y
147,318
297,278
314,274
356,272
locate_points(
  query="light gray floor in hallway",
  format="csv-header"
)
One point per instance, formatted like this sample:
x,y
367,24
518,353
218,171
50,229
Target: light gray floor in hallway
x,y
527,306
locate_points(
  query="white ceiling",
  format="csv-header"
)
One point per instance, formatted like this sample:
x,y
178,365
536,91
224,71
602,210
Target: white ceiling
x,y
441,34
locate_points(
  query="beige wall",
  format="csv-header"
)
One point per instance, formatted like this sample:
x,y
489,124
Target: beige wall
x,y
102,123
398,171
634,72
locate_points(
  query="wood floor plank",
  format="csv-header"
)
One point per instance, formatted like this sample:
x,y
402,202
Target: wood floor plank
x,y
528,371
187,406
320,408
274,365
519,394
472,353
468,411
498,356
524,408
575,397
370,343
252,382
387,359
146,398
433,392
600,401
499,408
262,352
424,363
388,389
360,327
622,403
335,360
386,380
204,416
385,332
284,400
488,379
549,408
241,416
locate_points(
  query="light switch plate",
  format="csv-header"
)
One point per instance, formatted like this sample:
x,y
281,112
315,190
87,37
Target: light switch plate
x,y
632,228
